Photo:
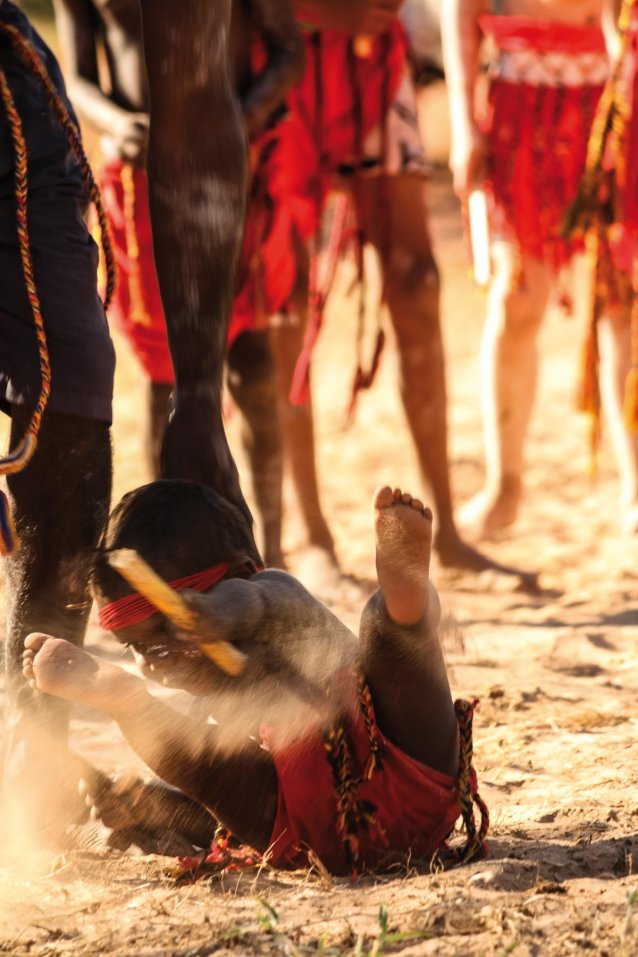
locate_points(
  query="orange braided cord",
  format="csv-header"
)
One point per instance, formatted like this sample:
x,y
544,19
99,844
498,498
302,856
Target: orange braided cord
x,y
18,459
31,59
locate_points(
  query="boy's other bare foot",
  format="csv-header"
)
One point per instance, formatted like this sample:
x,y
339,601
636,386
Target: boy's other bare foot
x,y
492,510
403,531
55,666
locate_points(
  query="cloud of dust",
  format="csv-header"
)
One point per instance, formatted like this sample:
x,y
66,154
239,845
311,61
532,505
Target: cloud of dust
x,y
40,797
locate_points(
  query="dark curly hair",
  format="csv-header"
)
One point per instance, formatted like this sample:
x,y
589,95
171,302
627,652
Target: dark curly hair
x,y
178,527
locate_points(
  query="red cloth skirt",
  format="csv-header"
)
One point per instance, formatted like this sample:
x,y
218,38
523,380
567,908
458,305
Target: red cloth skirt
x,y
414,807
266,269
538,136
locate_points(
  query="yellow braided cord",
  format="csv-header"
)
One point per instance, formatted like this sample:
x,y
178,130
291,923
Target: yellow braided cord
x,y
367,711
475,846
16,460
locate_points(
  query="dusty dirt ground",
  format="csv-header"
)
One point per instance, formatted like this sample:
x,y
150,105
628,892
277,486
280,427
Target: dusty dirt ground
x,y
555,733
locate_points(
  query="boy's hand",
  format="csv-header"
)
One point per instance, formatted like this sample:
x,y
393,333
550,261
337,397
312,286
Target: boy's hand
x,y
468,160
131,138
353,16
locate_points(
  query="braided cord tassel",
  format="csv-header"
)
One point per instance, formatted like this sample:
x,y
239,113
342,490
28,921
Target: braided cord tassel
x,y
17,459
30,58
366,707
475,846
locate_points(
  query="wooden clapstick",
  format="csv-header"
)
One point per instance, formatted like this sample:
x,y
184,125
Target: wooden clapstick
x,y
479,236
149,584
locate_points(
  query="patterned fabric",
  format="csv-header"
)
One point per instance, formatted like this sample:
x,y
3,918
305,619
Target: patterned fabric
x,y
538,122
266,269
403,805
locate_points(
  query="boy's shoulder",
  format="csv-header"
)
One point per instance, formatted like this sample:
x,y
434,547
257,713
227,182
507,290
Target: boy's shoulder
x,y
276,579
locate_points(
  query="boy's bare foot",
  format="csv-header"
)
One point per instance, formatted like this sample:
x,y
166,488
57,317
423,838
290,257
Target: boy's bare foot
x,y
152,815
403,531
55,666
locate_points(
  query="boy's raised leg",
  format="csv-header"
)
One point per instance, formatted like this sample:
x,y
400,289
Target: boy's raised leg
x,y
402,657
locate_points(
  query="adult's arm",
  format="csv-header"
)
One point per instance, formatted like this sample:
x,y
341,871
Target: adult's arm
x,y
350,16
274,22
461,37
76,22
197,172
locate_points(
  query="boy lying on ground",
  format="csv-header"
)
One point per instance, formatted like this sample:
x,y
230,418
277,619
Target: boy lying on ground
x,y
324,745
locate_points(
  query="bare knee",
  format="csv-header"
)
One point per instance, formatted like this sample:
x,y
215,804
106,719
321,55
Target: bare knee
x,y
518,297
413,275
250,361
413,287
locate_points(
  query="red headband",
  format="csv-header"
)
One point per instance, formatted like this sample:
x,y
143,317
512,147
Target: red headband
x,y
134,608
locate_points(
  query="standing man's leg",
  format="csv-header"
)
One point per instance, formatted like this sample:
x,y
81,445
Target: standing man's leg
x,y
412,290
509,370
297,421
252,382
60,501
60,506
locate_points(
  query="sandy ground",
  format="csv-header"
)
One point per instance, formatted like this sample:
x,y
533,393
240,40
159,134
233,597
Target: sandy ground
x,y
555,735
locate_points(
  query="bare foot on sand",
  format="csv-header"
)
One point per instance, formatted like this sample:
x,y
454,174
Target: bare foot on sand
x,y
403,530
55,666
629,522
492,510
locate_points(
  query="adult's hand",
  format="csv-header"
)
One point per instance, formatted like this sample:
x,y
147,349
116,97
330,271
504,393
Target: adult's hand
x,y
131,138
468,160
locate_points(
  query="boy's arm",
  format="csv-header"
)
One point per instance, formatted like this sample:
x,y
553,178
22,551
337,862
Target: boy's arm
x,y
197,188
76,25
274,22
350,16
240,788
461,50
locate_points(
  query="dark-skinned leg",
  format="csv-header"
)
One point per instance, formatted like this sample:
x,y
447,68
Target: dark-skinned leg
x,y
401,652
60,505
252,383
159,398
412,288
297,420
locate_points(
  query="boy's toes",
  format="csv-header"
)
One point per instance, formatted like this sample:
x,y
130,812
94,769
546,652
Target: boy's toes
x,y
35,640
27,665
383,497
